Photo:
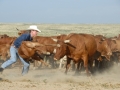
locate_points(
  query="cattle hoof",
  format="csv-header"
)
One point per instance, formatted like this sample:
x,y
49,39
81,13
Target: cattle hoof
x,y
65,73
31,61
1,70
93,74
34,68
76,74
48,66
88,75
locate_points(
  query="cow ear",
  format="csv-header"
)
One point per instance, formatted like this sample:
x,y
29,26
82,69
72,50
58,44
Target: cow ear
x,y
100,42
17,29
54,51
114,41
102,39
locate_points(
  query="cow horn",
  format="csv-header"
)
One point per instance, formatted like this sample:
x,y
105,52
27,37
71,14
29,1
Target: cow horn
x,y
113,39
66,41
17,29
102,39
54,51
58,45
48,53
54,39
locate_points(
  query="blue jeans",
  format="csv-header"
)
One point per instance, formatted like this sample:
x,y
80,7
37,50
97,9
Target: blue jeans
x,y
14,56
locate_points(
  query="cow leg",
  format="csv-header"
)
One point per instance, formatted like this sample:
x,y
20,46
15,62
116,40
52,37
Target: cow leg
x,y
67,65
100,66
64,64
78,68
96,67
85,59
44,62
51,60
3,57
40,59
91,66
35,64
73,66
60,65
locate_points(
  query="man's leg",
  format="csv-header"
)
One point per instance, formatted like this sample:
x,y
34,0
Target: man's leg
x,y
13,58
25,67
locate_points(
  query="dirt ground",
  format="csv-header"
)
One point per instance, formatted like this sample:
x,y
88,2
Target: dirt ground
x,y
55,79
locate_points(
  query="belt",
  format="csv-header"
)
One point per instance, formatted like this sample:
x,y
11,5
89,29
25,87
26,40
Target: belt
x,y
14,46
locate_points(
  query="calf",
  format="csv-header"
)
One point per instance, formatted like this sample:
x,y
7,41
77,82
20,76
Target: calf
x,y
4,51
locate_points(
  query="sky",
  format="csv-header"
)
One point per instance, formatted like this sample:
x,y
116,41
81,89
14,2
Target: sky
x,y
60,11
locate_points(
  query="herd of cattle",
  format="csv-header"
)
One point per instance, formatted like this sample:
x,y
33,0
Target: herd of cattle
x,y
92,53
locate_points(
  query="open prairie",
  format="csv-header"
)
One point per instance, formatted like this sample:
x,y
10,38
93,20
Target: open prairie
x,y
54,29
55,79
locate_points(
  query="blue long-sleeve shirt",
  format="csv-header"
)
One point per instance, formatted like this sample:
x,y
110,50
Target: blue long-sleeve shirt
x,y
23,37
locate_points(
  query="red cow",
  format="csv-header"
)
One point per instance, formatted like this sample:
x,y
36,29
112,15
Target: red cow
x,y
4,51
7,40
4,36
77,47
103,46
50,45
28,50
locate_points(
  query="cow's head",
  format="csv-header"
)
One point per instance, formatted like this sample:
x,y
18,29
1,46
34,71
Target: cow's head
x,y
4,36
103,47
114,45
61,49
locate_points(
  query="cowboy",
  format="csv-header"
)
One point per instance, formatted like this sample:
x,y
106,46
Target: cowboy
x,y
14,49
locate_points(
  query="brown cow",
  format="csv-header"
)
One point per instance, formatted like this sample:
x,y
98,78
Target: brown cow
x,y
115,47
50,45
29,50
77,47
103,47
7,40
103,52
48,41
4,51
4,36
5,43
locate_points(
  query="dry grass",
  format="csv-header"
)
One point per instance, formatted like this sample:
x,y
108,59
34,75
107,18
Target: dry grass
x,y
109,30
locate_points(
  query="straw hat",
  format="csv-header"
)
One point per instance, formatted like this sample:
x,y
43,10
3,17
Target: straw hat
x,y
34,27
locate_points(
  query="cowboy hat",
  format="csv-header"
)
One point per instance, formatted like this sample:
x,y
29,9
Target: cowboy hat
x,y
33,27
